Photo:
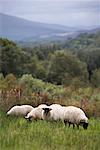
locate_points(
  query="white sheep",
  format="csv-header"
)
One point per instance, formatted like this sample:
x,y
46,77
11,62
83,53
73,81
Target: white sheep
x,y
42,106
52,112
70,114
74,115
56,106
36,113
22,110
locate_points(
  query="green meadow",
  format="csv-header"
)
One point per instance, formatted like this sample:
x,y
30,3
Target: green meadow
x,y
19,134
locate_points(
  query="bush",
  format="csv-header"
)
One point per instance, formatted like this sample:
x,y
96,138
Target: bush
x,y
95,80
29,90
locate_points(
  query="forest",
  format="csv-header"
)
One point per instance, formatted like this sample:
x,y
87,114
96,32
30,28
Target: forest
x,y
54,72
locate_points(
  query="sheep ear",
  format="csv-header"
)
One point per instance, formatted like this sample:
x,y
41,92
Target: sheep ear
x,y
43,108
50,109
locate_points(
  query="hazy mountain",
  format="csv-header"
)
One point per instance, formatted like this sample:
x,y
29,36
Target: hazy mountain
x,y
15,28
18,29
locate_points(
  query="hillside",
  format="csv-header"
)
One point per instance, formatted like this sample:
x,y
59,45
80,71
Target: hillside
x,y
84,42
15,28
52,62
19,29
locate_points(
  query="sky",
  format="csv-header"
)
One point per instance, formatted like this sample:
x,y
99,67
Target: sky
x,y
65,12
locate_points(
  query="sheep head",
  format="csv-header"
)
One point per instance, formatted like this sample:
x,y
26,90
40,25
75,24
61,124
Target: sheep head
x,y
46,110
84,124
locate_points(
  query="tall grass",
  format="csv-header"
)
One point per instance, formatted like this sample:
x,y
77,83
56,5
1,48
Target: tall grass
x,y
19,134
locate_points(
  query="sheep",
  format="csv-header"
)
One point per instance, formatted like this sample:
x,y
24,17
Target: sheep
x,y
36,113
74,115
52,113
22,110
57,106
42,106
69,114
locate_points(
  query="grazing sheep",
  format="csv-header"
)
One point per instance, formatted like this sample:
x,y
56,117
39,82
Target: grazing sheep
x,y
56,106
74,115
52,113
42,106
36,113
22,110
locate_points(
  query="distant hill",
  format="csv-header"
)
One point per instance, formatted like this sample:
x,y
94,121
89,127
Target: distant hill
x,y
15,28
19,29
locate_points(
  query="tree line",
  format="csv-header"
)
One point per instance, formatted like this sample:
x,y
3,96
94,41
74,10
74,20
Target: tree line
x,y
76,61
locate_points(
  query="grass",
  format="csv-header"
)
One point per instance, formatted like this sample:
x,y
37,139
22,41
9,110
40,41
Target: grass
x,y
19,134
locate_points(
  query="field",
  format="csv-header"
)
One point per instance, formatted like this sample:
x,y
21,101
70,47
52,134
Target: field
x,y
19,134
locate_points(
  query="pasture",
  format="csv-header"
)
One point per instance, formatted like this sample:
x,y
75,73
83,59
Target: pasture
x,y
19,134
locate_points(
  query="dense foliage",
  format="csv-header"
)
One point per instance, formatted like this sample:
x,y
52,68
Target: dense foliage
x,y
76,59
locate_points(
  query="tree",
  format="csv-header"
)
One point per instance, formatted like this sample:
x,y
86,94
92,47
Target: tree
x,y
96,78
10,60
63,65
26,83
92,59
10,81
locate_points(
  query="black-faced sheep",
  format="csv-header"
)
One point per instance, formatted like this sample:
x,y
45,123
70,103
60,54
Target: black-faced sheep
x,y
52,112
74,115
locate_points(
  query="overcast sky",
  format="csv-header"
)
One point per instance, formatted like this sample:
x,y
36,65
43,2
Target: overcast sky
x,y
66,12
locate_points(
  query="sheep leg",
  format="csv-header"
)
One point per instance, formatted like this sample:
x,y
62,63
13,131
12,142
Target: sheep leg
x,y
69,124
65,122
77,126
73,126
30,119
